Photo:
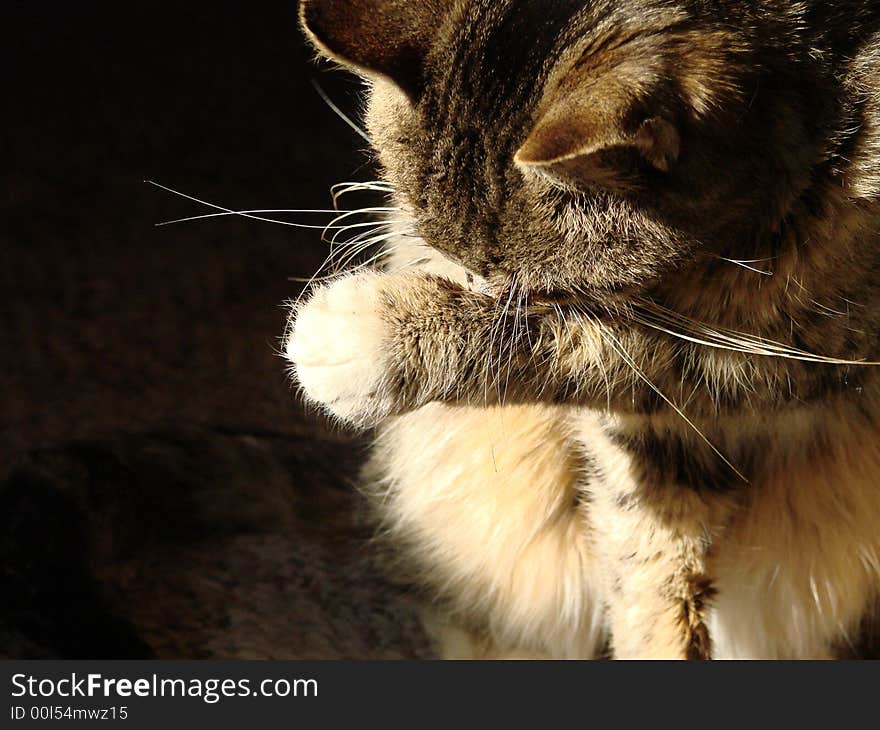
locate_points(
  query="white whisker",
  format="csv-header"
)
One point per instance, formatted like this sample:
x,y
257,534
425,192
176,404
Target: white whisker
x,y
341,114
342,189
749,265
661,319
616,345
253,215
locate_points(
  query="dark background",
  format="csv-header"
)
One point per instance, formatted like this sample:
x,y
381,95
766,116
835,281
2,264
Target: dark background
x,y
143,399
108,321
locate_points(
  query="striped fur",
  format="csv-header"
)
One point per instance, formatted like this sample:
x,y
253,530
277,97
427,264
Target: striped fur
x,y
628,390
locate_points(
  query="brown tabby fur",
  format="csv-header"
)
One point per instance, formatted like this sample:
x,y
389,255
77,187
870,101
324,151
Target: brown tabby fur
x,y
669,211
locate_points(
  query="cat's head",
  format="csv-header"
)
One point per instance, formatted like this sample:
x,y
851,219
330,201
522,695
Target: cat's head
x,y
584,145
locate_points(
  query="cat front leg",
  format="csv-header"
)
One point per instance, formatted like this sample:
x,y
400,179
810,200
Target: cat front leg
x,y
656,539
656,580
373,345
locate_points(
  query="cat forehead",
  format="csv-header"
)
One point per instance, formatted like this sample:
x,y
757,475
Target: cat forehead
x,y
496,51
488,46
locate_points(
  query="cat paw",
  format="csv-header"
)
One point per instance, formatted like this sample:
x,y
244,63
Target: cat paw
x,y
336,344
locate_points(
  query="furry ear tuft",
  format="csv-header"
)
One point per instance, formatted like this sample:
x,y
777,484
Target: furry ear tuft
x,y
386,37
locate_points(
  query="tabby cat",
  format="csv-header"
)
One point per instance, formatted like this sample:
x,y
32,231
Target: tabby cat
x,y
622,359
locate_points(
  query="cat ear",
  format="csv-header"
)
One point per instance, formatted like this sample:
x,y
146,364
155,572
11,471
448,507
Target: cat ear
x,y
386,37
589,137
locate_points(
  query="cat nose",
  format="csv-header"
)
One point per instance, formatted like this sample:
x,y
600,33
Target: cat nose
x,y
470,263
472,260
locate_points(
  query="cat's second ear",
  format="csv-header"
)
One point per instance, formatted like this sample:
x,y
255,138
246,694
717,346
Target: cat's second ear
x,y
600,136
386,37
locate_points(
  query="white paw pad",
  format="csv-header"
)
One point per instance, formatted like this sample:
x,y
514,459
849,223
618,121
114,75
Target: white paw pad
x,y
336,345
